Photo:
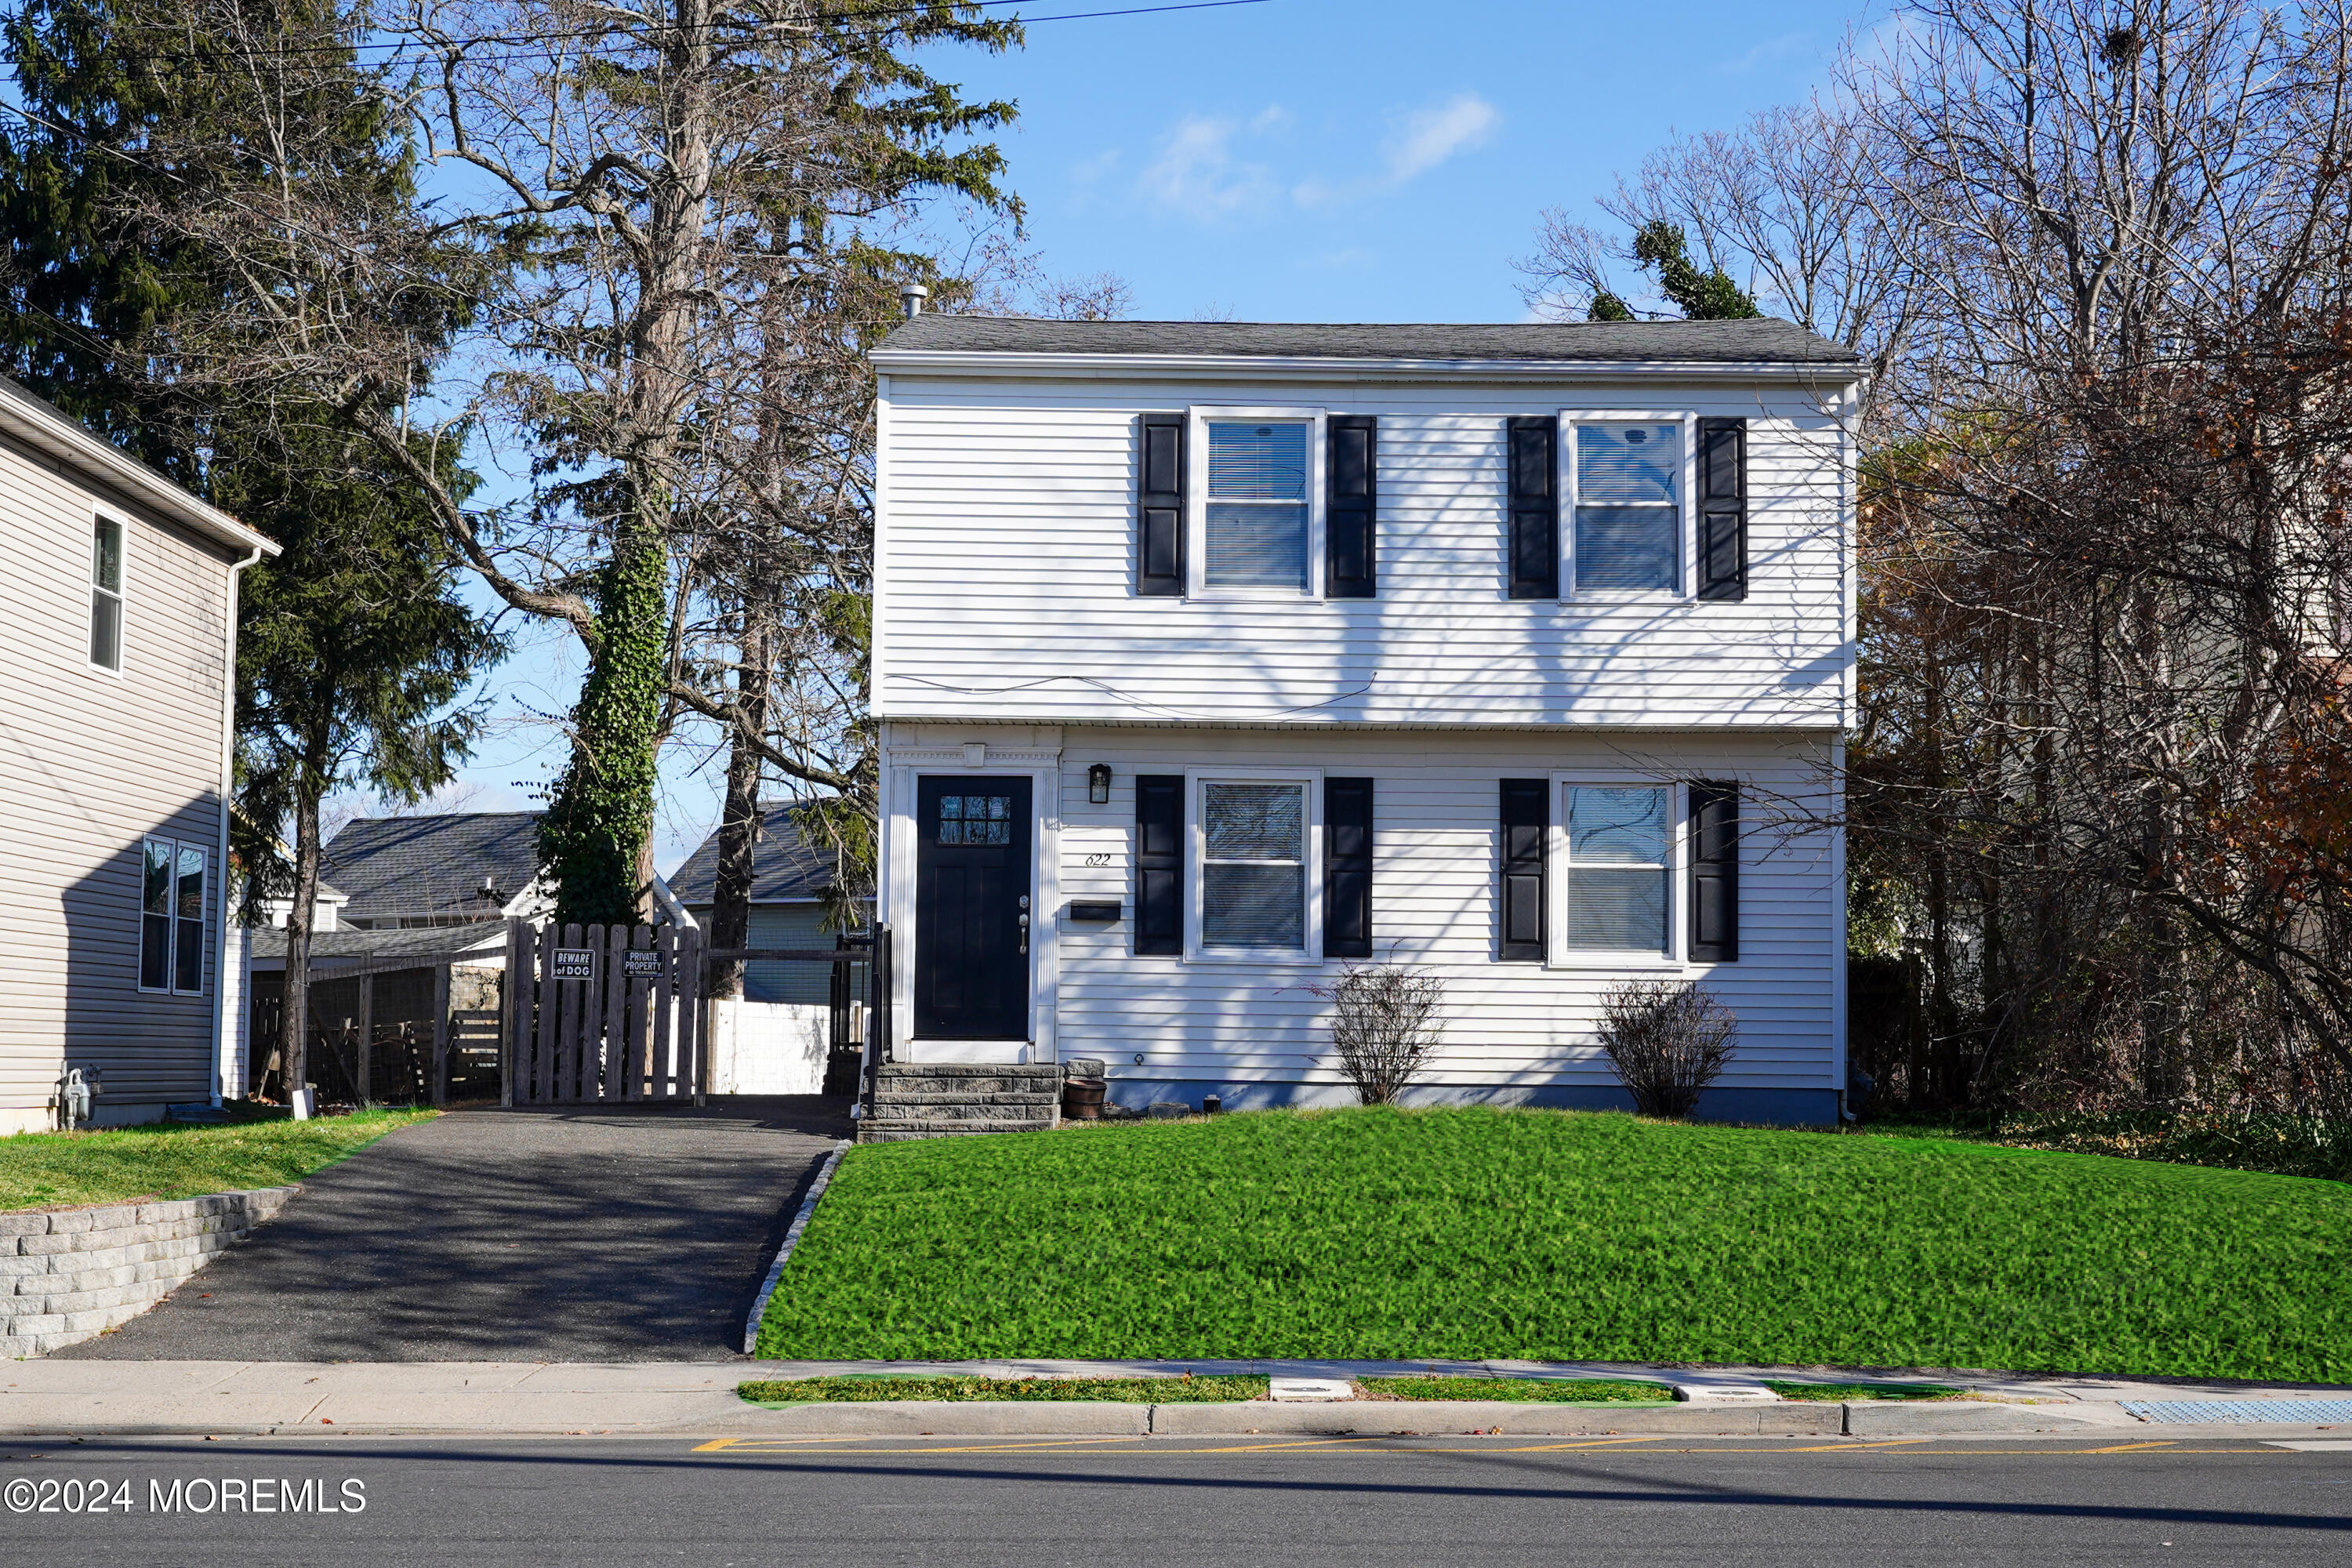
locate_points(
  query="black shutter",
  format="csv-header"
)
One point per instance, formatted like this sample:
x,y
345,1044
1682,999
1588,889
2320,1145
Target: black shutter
x,y
1351,512
1160,863
1535,507
1347,868
1159,508
1722,508
1527,823
1715,873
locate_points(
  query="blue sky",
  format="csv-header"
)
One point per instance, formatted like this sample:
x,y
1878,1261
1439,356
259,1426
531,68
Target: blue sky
x,y
1295,160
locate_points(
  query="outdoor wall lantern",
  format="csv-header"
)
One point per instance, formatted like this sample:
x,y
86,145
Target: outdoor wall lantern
x,y
1098,784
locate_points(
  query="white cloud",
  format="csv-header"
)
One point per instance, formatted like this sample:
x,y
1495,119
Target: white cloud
x,y
1771,51
1198,175
1431,136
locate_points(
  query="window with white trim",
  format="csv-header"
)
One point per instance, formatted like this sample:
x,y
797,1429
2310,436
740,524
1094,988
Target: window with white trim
x,y
1626,534
1254,839
1257,511
172,917
1619,875
105,594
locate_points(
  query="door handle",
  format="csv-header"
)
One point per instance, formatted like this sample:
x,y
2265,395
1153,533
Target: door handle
x,y
1024,933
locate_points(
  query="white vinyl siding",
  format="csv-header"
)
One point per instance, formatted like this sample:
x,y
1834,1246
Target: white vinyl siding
x,y
94,765
1509,1028
1007,558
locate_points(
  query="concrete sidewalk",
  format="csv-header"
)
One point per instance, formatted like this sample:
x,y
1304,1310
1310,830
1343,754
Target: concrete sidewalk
x,y
59,1397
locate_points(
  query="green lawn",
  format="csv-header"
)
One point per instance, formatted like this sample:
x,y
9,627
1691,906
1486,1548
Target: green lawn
x,y
1465,1234
48,1170
1522,1389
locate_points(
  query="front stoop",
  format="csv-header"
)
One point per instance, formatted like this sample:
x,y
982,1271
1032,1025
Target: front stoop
x,y
954,1099
69,1274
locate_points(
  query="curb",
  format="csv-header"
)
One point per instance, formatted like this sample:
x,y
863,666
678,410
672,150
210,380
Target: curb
x,y
792,1240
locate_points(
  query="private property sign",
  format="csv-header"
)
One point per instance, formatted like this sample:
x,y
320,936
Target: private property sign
x,y
641,964
574,963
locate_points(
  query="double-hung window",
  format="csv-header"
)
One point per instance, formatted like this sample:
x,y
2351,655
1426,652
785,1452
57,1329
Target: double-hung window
x,y
1254,836
172,917
1257,517
1620,868
1626,482
105,594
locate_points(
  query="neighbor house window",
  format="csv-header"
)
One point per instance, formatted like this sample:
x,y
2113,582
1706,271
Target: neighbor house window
x,y
1617,869
105,594
1628,487
172,917
1254,867
1257,521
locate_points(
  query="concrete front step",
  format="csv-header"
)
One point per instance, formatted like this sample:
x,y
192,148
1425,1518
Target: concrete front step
x,y
964,1072
875,1130
895,1095
896,1110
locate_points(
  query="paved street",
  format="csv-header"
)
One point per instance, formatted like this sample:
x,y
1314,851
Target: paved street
x,y
979,1503
596,1234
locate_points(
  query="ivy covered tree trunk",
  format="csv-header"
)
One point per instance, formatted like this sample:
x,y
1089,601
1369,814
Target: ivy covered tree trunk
x,y
596,839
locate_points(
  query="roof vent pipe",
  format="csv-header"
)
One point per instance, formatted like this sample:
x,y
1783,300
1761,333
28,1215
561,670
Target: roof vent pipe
x,y
912,296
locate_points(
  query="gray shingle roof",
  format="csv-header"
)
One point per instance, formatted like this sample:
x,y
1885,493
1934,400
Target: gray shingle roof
x,y
432,865
1763,341
782,866
413,942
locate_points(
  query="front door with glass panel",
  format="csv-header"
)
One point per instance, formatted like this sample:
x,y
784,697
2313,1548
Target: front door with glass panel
x,y
971,909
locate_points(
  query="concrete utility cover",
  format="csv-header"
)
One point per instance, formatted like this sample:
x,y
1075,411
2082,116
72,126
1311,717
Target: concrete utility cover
x,y
1305,1388
1726,1393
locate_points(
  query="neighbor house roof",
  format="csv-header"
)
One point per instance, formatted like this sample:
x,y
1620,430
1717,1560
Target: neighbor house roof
x,y
434,865
783,864
409,942
1762,340
39,424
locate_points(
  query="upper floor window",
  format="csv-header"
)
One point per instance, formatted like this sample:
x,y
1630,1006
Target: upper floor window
x,y
172,917
105,594
1254,533
1627,487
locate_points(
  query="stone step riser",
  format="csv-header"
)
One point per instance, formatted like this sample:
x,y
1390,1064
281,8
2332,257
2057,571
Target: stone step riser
x,y
884,1111
907,1131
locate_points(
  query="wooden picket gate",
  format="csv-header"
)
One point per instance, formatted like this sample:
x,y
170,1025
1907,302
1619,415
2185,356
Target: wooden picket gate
x,y
603,1014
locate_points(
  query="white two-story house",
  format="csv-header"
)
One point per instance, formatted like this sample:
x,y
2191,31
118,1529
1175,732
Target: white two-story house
x,y
1212,657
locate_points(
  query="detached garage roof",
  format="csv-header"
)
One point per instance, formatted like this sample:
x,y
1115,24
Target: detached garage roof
x,y
784,867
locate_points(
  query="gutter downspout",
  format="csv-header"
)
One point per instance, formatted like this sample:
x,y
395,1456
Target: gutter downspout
x,y
227,787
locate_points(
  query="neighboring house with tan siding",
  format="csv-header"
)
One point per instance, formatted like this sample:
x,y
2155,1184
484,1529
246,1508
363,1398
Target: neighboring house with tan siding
x,y
117,661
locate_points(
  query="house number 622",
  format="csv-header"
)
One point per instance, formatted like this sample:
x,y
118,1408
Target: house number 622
x,y
1098,860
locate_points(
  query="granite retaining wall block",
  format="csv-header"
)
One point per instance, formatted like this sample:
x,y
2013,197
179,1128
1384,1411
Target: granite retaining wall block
x,y
66,1276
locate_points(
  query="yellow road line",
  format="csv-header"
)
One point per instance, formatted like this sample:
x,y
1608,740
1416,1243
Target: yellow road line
x,y
1595,1443
1358,1440
1322,1447
2128,1447
1853,1447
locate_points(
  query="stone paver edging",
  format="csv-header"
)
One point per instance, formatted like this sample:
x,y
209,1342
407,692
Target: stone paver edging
x,y
792,1240
69,1274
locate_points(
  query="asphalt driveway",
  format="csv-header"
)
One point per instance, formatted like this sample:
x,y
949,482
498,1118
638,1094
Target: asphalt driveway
x,y
579,1233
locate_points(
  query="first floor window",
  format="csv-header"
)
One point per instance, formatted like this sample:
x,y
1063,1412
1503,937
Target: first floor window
x,y
1617,869
1257,507
1629,480
106,594
172,917
1254,867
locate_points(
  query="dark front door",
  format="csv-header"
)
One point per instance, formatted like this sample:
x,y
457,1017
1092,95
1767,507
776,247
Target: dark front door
x,y
971,910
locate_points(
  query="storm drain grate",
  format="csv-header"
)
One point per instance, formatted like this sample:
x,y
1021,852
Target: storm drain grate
x,y
2316,1410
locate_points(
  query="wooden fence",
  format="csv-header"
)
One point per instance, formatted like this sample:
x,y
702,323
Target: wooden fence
x,y
603,1014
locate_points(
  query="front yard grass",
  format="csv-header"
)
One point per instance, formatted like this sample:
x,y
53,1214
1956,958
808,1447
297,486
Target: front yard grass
x,y
1467,1234
58,1170
862,1388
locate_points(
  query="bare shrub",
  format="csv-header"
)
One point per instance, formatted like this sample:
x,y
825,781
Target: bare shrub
x,y
1668,1042
1385,1025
